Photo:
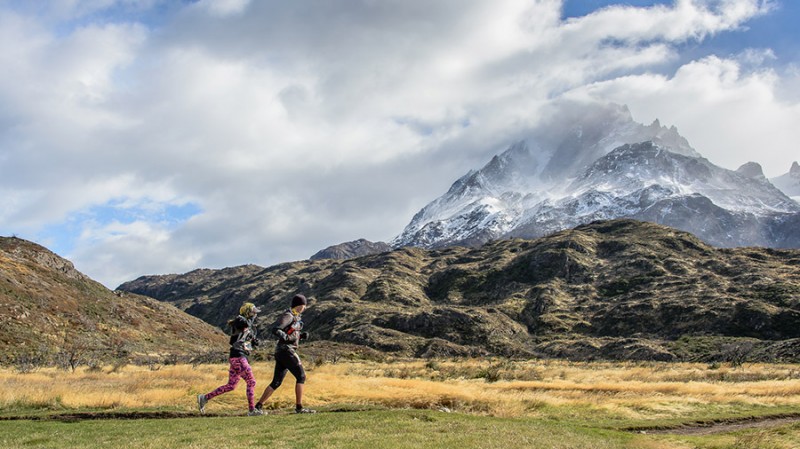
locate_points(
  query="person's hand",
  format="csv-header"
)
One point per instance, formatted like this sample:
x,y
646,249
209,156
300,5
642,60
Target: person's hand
x,y
256,342
303,335
282,335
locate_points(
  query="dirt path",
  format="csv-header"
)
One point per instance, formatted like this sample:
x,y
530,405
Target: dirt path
x,y
731,425
89,416
81,416
693,428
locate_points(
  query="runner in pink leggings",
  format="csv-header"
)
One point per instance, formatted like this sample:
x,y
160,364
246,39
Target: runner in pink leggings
x,y
243,339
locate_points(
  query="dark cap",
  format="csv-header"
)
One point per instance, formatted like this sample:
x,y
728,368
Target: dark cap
x,y
299,300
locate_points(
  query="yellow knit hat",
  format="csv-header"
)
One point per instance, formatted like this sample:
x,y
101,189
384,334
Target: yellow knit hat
x,y
248,309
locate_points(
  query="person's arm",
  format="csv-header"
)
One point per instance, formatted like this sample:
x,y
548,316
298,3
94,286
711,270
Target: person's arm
x,y
281,324
252,334
239,325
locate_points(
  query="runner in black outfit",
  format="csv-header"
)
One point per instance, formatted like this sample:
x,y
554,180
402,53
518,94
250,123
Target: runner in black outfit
x,y
288,329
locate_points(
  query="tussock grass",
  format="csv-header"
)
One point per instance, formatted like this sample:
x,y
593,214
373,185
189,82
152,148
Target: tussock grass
x,y
616,390
611,392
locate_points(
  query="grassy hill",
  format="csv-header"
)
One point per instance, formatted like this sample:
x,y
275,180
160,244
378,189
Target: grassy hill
x,y
619,289
51,312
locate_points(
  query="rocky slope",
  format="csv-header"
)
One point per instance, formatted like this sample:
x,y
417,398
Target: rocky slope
x,y
789,183
48,309
348,250
619,289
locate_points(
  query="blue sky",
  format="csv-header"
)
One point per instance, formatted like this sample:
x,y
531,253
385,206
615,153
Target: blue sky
x,y
776,30
580,8
154,136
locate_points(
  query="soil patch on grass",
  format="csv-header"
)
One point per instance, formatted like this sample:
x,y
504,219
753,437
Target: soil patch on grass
x,y
722,426
129,415
87,416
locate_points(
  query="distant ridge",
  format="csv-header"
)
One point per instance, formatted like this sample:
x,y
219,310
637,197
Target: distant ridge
x,y
619,289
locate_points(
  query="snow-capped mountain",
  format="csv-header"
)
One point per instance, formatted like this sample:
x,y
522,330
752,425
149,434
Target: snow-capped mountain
x,y
603,165
789,183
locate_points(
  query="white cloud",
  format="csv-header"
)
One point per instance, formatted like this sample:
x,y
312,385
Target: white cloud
x,y
296,125
686,19
141,245
729,115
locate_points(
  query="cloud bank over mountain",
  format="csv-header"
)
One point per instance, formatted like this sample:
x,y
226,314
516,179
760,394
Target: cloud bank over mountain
x,y
154,136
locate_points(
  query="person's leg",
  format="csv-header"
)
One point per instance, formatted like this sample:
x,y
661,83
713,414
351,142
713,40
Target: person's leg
x,y
265,396
250,380
295,366
277,380
233,379
298,395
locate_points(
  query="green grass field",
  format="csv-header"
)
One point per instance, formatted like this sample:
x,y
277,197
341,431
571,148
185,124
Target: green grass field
x,y
522,404
371,429
362,429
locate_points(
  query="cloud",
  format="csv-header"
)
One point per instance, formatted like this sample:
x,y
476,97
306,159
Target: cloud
x,y
223,8
686,19
54,96
290,126
728,114
140,244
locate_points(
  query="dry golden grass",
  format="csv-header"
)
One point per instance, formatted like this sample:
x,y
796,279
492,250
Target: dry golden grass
x,y
514,389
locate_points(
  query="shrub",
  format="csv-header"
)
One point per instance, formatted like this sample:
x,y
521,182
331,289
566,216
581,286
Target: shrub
x,y
737,353
29,362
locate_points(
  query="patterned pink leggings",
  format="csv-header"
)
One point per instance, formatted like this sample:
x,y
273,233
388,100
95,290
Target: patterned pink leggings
x,y
239,368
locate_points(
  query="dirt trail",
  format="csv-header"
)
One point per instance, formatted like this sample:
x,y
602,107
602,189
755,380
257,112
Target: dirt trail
x,y
90,416
693,428
81,416
731,425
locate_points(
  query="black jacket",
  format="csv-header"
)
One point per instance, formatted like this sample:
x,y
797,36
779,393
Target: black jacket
x,y
243,337
288,328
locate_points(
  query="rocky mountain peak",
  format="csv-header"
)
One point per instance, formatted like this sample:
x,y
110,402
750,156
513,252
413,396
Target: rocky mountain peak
x,y
348,250
751,170
23,250
789,183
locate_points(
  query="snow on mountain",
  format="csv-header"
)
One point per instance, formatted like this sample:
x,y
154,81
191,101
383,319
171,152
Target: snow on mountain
x,y
789,183
592,163
576,135
632,167
488,202
648,182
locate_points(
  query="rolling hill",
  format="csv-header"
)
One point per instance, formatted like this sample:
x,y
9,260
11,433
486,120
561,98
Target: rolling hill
x,y
618,289
50,310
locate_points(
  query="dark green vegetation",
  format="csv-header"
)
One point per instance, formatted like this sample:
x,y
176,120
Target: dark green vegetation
x,y
51,313
618,289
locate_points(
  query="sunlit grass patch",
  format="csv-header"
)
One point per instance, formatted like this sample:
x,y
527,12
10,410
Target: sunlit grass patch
x,y
407,403
417,429
600,391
